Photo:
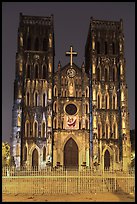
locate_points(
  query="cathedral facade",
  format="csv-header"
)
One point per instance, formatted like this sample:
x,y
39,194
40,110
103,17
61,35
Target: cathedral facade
x,y
70,116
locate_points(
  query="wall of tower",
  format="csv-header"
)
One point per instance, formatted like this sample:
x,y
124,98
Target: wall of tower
x,y
33,86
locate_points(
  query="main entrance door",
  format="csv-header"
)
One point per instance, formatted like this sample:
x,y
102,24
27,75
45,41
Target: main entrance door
x,y
71,154
35,158
106,160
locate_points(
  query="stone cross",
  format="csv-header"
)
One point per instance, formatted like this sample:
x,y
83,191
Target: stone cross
x,y
71,53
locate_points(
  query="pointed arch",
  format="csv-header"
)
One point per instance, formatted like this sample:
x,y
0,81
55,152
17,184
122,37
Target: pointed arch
x,y
27,99
106,160
44,153
25,153
28,71
36,71
107,130
55,91
44,71
87,124
28,43
45,44
98,47
115,130
35,158
44,99
87,92
43,129
114,101
55,123
55,106
36,44
35,129
106,48
87,108
71,153
113,48
99,100
107,101
27,128
36,98
98,73
99,128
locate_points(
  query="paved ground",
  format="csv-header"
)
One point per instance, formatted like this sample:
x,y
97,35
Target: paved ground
x,y
70,197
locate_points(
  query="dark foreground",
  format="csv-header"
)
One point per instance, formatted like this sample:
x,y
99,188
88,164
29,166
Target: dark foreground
x,y
114,197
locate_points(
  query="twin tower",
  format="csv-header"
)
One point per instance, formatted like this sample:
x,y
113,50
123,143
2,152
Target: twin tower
x,y
70,116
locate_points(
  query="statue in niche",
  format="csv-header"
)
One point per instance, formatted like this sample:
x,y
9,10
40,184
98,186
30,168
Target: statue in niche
x,y
71,87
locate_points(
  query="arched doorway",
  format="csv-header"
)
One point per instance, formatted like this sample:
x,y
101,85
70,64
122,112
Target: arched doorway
x,y
106,160
35,158
71,154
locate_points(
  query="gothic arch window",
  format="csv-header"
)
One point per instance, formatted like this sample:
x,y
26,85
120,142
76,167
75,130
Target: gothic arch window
x,y
87,124
113,48
55,107
43,130
27,99
25,153
87,92
99,131
27,128
115,130
36,71
114,101
99,101
45,44
79,124
35,99
98,47
98,74
44,100
36,46
28,71
106,48
28,43
35,129
107,101
107,131
55,123
106,74
44,153
55,91
87,108
44,72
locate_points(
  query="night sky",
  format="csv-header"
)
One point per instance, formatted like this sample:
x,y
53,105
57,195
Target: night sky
x,y
71,24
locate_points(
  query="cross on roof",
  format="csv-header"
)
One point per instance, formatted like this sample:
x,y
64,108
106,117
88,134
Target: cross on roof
x,y
71,53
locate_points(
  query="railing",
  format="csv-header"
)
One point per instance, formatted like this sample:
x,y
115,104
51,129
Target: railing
x,y
51,181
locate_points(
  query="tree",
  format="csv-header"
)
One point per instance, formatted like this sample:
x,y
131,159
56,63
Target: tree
x,y
5,154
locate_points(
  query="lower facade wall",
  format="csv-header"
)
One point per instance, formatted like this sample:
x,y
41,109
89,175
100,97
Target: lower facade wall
x,y
51,182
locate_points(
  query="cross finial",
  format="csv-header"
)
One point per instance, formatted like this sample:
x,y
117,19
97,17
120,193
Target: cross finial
x,y
71,53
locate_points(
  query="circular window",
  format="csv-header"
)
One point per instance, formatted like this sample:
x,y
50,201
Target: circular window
x,y
71,109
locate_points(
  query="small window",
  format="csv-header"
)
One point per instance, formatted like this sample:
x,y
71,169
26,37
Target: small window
x,y
44,154
36,71
28,71
98,47
106,48
29,43
36,44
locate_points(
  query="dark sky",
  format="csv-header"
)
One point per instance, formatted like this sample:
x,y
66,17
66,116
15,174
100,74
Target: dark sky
x,y
71,23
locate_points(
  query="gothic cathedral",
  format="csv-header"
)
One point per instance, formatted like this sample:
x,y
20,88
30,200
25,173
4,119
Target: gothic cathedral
x,y
70,116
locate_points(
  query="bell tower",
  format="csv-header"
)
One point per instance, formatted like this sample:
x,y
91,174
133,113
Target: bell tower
x,y
32,109
105,64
